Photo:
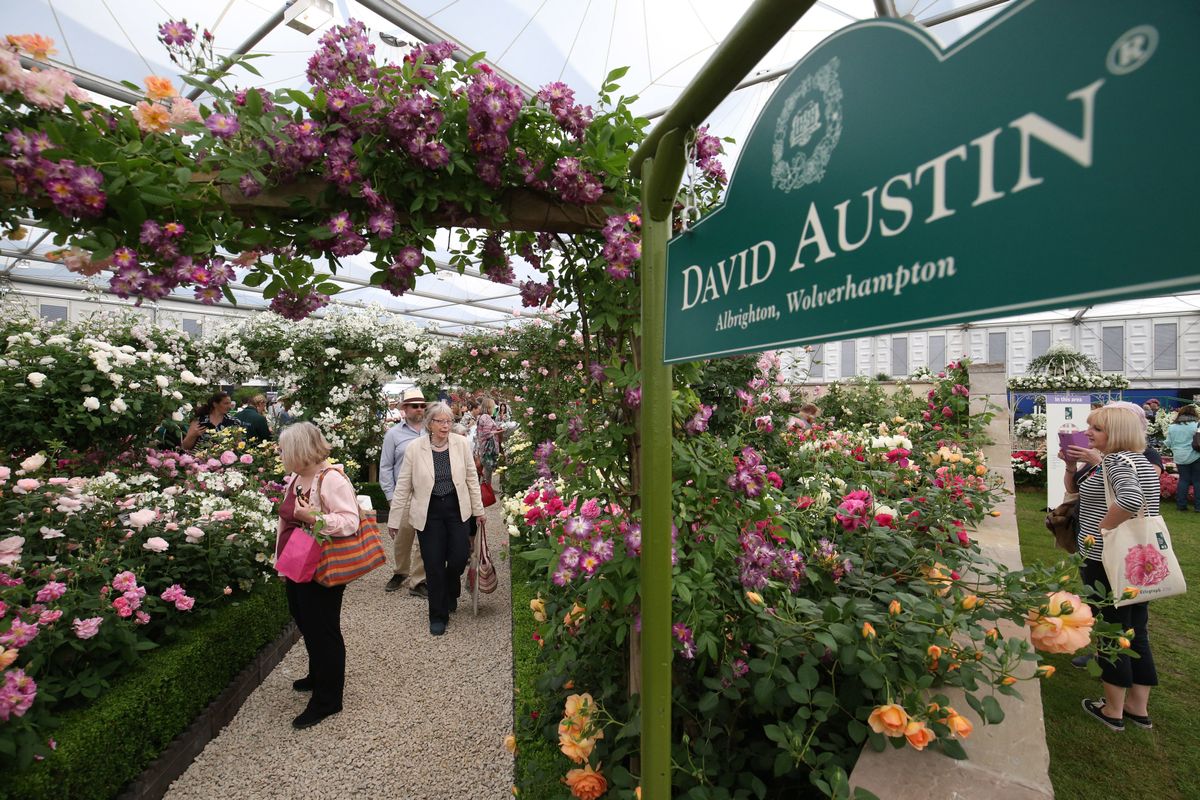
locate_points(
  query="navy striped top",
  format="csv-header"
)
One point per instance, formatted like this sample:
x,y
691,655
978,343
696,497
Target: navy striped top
x,y
1134,482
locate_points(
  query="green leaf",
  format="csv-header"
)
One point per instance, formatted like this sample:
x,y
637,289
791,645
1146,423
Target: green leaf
x,y
764,691
992,712
953,748
708,702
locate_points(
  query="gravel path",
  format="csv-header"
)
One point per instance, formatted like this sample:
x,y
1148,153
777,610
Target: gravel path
x,y
424,717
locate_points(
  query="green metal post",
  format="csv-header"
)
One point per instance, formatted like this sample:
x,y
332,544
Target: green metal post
x,y
661,175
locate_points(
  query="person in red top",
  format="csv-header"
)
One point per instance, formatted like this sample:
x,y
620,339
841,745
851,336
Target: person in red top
x,y
316,490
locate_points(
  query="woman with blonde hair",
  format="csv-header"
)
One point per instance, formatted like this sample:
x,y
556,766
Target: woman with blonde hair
x,y
1120,436
488,437
315,491
438,491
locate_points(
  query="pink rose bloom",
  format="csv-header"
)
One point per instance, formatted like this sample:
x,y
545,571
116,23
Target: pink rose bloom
x,y
49,617
142,518
1063,625
228,457
590,509
1145,566
59,481
87,628
16,694
51,591
227,591
156,544
183,111
10,550
172,593
20,634
5,472
222,515
764,424
123,609
141,618
212,463
171,526
12,74
185,603
193,534
124,581
552,416
26,485
246,459
474,352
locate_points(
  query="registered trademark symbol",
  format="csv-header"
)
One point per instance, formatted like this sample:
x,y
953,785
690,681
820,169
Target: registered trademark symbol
x,y
1132,50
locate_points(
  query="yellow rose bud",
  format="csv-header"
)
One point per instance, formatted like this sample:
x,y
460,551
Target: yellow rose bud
x,y
1131,592
1045,671
1125,643
1008,680
993,634
1089,540
981,470
868,631
755,598
934,652
971,601
995,513
510,743
894,608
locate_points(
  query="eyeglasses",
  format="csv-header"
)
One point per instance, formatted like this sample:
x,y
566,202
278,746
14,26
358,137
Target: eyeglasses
x,y
443,421
414,405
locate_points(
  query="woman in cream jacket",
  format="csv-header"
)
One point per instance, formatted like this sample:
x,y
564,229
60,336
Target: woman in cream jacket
x,y
438,491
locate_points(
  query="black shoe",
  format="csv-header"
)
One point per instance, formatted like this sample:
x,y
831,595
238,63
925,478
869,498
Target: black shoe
x,y
1141,722
310,717
1092,707
454,605
420,590
437,628
395,583
304,684
1081,662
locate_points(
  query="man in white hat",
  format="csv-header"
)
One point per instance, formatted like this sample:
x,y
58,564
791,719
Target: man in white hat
x,y
397,440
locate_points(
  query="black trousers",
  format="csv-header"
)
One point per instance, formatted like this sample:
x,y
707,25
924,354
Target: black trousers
x,y
1124,671
445,551
317,610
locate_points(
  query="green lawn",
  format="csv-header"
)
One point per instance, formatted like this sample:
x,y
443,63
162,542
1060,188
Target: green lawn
x,y
1089,761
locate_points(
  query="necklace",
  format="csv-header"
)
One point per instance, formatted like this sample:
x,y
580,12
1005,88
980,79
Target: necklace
x,y
439,447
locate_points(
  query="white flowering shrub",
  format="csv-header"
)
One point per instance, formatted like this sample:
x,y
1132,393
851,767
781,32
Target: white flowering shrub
x,y
333,366
1032,426
1062,368
99,385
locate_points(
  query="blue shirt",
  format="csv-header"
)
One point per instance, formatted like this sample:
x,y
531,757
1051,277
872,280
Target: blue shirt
x,y
397,440
1179,440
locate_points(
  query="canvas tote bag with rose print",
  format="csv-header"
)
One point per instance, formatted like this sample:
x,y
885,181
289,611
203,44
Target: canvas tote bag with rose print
x,y
1138,553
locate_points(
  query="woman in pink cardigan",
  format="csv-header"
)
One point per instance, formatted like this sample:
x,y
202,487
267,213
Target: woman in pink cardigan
x,y
316,490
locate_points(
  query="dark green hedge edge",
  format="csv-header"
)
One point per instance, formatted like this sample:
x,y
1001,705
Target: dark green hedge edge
x,y
105,745
539,766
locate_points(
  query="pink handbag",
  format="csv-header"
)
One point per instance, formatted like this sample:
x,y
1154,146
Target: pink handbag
x,y
299,556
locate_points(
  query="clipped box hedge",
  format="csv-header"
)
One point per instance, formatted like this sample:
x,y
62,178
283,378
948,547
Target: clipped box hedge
x,y
108,743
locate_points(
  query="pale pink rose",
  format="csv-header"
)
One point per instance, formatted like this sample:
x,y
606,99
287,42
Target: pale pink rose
x,y
246,458
228,457
185,603
46,88
142,518
156,544
33,463
10,550
183,111
1145,566
87,628
227,590
5,472
193,534
171,526
59,481
49,617
222,515
51,533
12,74
26,485
172,593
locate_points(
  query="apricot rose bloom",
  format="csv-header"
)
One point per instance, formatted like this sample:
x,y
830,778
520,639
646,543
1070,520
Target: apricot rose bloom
x,y
1063,625
890,720
538,606
586,783
959,725
158,88
578,749
918,734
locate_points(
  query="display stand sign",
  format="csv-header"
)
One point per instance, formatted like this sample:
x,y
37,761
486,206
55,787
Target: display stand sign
x,y
1066,423
1045,160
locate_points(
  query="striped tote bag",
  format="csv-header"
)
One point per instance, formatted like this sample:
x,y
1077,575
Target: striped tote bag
x,y
348,558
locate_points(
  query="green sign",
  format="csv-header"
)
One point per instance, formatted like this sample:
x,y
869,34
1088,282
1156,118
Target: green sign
x,y
1048,159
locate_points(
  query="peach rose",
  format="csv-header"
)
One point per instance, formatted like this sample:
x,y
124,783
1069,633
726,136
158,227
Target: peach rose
x,y
538,606
890,720
1064,625
578,703
894,608
868,631
575,748
959,725
159,88
586,783
918,734
510,743
8,656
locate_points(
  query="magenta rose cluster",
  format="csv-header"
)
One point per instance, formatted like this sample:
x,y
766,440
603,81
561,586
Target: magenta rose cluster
x,y
76,191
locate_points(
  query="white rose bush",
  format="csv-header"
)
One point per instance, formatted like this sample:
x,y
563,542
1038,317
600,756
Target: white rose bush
x,y
99,385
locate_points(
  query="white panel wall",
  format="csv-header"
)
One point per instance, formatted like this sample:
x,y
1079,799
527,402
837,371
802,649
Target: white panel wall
x,y
1063,333
1139,334
1020,347
977,344
1189,348
918,350
956,345
1089,341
